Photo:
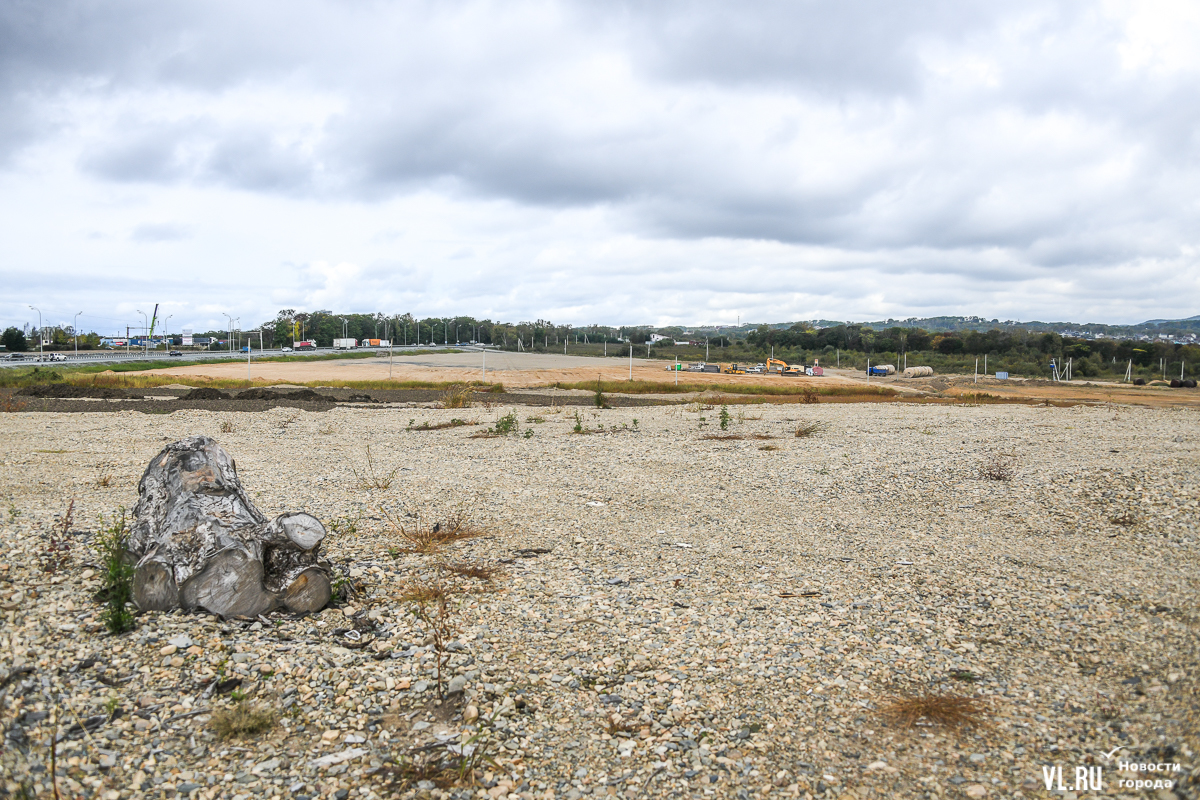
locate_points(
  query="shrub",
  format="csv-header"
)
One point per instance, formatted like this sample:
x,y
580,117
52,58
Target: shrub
x,y
117,589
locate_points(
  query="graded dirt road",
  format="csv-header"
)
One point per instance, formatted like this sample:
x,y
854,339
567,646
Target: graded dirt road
x,y
526,370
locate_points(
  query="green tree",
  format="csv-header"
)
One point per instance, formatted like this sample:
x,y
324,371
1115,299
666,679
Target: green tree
x,y
14,341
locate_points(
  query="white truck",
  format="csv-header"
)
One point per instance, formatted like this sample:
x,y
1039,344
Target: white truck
x,y
344,344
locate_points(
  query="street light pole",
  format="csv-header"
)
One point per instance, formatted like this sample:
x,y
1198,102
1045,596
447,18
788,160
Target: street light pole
x,y
75,330
230,319
167,330
35,308
147,317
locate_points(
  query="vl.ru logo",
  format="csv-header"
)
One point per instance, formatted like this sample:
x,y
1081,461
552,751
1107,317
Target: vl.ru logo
x,y
1086,779
1092,778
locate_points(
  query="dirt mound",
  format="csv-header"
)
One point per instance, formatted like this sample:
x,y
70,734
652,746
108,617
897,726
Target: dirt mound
x,y
205,393
309,395
258,394
66,390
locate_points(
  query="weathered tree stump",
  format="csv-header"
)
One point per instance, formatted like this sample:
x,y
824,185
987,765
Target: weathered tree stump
x,y
200,542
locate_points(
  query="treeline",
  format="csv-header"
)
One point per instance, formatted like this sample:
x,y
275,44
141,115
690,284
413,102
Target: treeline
x,y
1017,351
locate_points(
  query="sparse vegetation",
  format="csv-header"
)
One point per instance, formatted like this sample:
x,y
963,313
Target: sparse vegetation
x,y
427,539
997,468
735,436
503,427
725,417
373,476
770,447
601,402
928,708
241,720
807,429
1126,520
226,426
441,426
104,481
480,572
455,763
457,396
58,548
116,575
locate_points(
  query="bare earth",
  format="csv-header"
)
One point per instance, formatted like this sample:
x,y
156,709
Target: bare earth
x,y
522,370
678,616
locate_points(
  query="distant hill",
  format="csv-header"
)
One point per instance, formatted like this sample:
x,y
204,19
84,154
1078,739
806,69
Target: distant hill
x,y
950,324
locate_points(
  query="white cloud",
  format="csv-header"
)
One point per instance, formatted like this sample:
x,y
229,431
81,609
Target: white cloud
x,y
672,162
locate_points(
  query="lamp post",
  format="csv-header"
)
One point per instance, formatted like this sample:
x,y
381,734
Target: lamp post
x,y
75,330
230,318
147,317
35,308
167,330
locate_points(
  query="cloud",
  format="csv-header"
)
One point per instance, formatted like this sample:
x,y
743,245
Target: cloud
x,y
989,147
152,233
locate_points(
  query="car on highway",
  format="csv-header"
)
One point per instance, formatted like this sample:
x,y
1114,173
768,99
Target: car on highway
x,y
53,357
15,356
285,349
175,353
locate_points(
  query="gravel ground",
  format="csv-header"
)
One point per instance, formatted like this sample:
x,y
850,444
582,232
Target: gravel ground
x,y
710,618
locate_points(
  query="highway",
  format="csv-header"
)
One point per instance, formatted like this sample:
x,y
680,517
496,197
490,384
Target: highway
x,y
31,358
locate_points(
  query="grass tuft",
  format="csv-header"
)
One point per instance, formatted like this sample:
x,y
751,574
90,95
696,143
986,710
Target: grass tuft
x,y
441,426
427,539
947,710
457,396
807,429
996,468
480,572
373,476
242,719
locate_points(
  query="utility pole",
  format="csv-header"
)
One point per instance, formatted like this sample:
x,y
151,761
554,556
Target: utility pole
x,y
631,361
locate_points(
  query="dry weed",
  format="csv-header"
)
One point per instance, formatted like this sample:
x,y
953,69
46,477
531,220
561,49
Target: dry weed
x,y
997,468
480,572
426,539
808,429
104,481
948,710
226,426
457,396
243,719
770,447
373,476
454,423
1126,520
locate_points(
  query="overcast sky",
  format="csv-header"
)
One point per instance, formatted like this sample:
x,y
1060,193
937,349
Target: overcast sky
x,y
667,162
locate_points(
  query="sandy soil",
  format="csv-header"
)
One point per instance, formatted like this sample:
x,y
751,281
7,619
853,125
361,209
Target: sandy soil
x,y
526,370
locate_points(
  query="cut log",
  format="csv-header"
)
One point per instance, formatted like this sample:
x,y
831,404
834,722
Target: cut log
x,y
200,543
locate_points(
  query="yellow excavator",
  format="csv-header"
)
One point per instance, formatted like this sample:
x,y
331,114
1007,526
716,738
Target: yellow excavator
x,y
783,368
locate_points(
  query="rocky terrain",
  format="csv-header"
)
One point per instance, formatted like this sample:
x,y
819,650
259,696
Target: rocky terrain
x,y
670,615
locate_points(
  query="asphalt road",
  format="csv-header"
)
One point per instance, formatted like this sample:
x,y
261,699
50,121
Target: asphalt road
x,y
119,357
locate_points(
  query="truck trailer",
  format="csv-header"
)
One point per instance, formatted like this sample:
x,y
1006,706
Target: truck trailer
x,y
345,344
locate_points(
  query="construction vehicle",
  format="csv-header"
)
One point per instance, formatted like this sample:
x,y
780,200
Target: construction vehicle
x,y
732,369
783,368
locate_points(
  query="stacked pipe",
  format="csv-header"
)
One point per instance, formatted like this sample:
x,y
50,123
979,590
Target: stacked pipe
x,y
891,370
918,372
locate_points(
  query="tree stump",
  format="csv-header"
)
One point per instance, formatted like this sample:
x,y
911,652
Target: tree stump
x,y
200,543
